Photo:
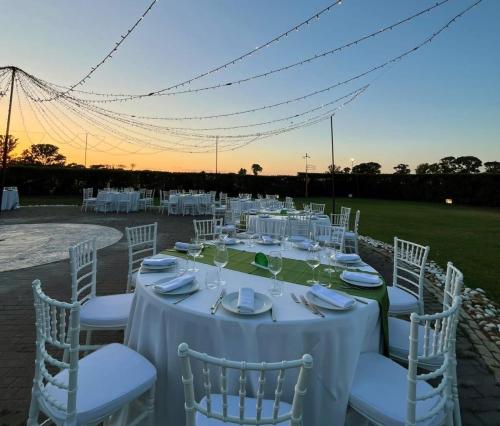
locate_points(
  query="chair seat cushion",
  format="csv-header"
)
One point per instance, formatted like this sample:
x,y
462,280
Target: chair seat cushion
x,y
380,389
107,311
233,409
401,302
349,235
107,379
399,343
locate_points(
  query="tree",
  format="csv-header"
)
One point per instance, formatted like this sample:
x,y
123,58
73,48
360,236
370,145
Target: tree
x,y
11,145
346,170
43,154
492,167
242,172
467,164
75,165
447,165
427,169
369,168
402,169
256,169
337,169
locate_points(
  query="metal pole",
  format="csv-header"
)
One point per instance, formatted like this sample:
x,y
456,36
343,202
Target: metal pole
x,y
86,137
6,139
307,168
333,165
216,154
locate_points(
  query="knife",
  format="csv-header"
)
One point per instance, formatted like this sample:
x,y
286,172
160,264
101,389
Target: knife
x,y
312,307
215,306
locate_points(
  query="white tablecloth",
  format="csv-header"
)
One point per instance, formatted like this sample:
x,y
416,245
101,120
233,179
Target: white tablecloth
x,y
10,200
271,224
133,198
156,328
196,199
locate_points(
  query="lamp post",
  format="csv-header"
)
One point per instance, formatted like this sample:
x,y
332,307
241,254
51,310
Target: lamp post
x,y
306,157
333,164
6,139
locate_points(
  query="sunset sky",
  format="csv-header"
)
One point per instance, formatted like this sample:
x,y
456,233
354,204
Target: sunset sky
x,y
443,100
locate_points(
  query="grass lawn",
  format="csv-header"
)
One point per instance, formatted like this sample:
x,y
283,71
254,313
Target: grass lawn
x,y
467,236
51,200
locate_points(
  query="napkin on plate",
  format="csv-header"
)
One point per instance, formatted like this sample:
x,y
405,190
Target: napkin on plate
x,y
360,277
267,239
331,296
264,216
347,257
175,283
246,300
230,241
305,245
182,246
159,261
297,239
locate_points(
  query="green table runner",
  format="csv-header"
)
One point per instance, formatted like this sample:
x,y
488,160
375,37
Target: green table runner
x,y
298,272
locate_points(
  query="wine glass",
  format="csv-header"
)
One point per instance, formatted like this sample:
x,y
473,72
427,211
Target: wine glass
x,y
220,260
313,261
275,265
194,250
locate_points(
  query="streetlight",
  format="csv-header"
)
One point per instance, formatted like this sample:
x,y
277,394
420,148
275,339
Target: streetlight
x,y
333,165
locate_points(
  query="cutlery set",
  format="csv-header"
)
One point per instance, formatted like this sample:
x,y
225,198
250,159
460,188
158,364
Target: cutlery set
x,y
215,306
308,305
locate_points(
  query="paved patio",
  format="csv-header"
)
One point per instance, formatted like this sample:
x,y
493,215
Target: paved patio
x,y
479,394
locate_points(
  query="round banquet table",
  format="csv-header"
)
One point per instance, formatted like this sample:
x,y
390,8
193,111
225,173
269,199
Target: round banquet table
x,y
157,326
10,199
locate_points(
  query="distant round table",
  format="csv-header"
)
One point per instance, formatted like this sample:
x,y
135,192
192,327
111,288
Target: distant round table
x,y
10,199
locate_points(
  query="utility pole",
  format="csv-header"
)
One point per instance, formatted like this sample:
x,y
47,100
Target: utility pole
x,y
216,154
6,139
307,168
86,140
333,164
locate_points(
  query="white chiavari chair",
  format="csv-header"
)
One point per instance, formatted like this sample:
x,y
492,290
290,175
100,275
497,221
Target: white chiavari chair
x,y
146,199
122,202
242,227
289,203
163,201
223,408
399,330
188,205
298,226
88,199
272,228
339,219
172,204
141,241
97,312
208,229
406,295
346,211
351,237
317,208
385,393
88,390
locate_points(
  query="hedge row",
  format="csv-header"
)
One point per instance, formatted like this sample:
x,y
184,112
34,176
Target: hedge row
x,y
480,189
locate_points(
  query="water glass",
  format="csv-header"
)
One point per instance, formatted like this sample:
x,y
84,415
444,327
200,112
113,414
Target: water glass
x,y
194,250
220,260
275,265
313,261
211,280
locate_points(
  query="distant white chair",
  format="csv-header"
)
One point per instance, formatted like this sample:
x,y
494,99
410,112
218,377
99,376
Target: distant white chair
x,y
431,338
274,229
141,241
146,199
317,208
406,295
330,235
339,219
173,204
88,390
386,393
347,212
88,198
351,237
188,205
97,312
208,229
104,202
164,197
218,409
289,203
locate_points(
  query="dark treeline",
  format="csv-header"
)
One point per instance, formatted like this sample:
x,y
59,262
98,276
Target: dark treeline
x,y
474,189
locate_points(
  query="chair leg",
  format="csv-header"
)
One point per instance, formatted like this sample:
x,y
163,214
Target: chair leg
x,y
88,338
457,418
34,409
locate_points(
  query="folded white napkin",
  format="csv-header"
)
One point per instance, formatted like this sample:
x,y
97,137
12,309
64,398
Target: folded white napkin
x,y
264,216
267,239
246,300
305,245
175,283
230,241
347,257
182,246
159,261
297,239
331,296
361,277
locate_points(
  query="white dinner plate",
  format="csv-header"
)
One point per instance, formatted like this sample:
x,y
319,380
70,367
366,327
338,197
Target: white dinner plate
x,y
325,305
268,243
185,289
360,284
349,262
262,304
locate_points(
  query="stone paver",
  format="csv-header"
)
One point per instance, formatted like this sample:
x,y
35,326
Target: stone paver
x,y
479,392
